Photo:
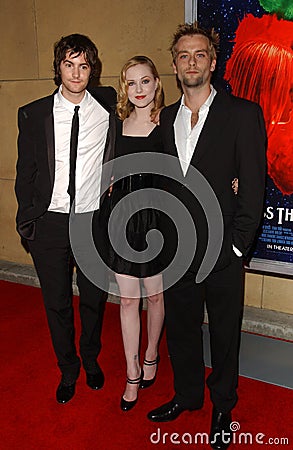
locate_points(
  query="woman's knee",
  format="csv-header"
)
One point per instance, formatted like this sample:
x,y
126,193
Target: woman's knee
x,y
129,302
155,299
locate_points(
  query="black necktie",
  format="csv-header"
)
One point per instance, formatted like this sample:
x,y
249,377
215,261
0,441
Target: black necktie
x,y
73,154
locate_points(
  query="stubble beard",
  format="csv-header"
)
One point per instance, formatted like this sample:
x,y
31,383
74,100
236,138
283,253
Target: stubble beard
x,y
195,82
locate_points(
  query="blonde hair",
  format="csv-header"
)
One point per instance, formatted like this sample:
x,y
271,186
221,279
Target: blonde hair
x,y
124,106
191,29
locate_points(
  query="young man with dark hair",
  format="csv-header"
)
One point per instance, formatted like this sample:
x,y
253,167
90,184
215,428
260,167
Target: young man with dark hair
x,y
53,173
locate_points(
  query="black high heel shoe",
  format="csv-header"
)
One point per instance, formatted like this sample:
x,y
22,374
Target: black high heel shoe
x,y
147,383
128,405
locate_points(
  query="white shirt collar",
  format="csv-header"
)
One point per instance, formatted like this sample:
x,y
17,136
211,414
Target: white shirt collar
x,y
206,104
69,105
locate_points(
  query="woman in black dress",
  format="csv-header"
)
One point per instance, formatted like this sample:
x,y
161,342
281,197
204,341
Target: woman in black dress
x,y
140,98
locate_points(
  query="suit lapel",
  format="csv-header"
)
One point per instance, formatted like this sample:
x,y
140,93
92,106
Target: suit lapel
x,y
168,126
108,158
50,139
209,136
111,137
109,146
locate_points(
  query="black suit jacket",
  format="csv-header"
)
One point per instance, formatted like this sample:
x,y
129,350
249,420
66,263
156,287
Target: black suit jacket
x,y
36,156
232,144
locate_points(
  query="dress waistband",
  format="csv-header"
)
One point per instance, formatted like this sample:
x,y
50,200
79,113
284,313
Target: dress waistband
x,y
135,182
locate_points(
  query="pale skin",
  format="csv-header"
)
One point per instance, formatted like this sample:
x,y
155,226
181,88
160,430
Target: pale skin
x,y
194,66
141,91
75,74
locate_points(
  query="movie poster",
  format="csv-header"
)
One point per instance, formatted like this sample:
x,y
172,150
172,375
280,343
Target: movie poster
x,y
256,62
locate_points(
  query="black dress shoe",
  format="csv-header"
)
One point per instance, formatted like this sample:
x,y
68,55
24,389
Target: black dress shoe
x,y
95,381
221,434
167,412
65,392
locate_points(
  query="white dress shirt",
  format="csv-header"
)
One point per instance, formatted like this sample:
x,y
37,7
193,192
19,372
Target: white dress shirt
x,y
93,128
186,137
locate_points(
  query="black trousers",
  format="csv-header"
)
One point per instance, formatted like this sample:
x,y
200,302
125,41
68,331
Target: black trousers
x,y
184,308
53,260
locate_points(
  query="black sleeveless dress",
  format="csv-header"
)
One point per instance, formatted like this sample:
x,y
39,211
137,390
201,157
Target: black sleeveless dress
x,y
142,221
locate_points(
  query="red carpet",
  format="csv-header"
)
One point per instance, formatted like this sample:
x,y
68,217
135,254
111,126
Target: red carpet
x,y
31,418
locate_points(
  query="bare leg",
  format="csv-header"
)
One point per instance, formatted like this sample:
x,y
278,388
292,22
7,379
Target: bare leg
x,y
130,327
155,319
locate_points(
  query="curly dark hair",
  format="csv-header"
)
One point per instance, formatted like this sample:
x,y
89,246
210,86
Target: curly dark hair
x,y
75,43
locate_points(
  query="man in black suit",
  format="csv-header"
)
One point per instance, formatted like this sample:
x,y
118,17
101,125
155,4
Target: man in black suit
x,y
224,138
50,179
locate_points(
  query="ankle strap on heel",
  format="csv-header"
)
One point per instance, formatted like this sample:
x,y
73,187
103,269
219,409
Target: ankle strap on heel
x,y
153,362
135,380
